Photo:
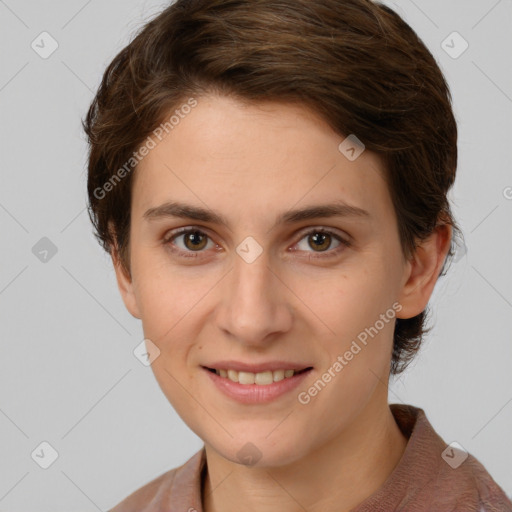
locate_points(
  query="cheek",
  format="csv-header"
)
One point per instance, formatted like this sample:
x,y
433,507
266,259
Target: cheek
x,y
164,294
172,309
348,311
344,302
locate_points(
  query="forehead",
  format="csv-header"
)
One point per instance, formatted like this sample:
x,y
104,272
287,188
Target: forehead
x,y
248,158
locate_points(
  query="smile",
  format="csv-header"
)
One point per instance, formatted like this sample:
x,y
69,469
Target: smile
x,y
261,378
254,388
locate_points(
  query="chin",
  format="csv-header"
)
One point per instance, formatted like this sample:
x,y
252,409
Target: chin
x,y
259,452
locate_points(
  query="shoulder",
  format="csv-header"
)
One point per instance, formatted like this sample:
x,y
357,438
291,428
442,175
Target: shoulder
x,y
472,486
433,475
175,489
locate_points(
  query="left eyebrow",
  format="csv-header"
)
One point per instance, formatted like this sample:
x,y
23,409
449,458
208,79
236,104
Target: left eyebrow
x,y
339,209
187,211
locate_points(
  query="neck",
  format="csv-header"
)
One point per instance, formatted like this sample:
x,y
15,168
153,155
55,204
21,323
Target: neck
x,y
338,476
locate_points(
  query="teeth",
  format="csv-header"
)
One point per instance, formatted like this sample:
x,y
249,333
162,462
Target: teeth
x,y
261,378
247,377
280,374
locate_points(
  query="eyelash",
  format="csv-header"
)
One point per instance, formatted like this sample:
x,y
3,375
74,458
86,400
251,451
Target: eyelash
x,y
313,255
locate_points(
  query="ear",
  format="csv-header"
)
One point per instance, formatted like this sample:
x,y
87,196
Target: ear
x,y
422,271
125,284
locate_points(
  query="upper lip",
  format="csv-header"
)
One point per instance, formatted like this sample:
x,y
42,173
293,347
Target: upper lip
x,y
257,368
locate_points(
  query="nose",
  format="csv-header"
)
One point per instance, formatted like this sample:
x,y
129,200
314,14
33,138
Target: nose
x,y
255,306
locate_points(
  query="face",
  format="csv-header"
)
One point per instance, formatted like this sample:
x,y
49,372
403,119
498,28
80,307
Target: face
x,y
243,280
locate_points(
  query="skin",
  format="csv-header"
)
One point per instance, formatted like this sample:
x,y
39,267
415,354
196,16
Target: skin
x,y
251,162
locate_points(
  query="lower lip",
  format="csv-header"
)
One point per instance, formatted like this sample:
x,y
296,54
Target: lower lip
x,y
256,393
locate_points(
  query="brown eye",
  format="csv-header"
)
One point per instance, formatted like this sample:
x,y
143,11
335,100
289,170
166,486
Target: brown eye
x,y
188,242
320,241
195,240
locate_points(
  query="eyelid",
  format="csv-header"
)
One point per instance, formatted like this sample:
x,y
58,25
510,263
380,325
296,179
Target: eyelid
x,y
174,233
324,229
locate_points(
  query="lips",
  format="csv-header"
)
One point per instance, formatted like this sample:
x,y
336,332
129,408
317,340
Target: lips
x,y
256,388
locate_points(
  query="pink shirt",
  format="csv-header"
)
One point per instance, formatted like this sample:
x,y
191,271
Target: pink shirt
x,y
423,480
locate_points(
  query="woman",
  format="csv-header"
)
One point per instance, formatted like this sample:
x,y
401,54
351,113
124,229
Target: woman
x,y
270,179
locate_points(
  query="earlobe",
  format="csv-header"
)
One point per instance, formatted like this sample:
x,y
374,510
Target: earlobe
x,y
125,285
423,270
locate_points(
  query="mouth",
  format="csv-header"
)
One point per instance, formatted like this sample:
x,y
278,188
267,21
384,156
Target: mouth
x,y
270,381
262,378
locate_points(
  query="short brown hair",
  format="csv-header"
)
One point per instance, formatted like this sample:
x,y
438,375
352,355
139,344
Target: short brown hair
x,y
354,62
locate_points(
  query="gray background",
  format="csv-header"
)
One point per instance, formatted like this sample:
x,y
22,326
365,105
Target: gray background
x,y
67,372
